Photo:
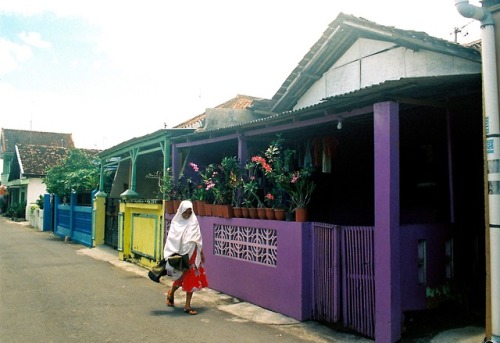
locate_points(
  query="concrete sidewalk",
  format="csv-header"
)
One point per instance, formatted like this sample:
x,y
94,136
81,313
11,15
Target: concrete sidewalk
x,y
309,331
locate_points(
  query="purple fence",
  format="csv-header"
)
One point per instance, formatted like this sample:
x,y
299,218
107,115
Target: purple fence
x,y
344,276
358,279
326,270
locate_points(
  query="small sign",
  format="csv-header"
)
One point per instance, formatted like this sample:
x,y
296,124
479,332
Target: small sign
x,y
490,146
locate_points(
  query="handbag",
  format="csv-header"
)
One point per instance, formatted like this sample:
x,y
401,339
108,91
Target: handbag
x,y
179,262
157,271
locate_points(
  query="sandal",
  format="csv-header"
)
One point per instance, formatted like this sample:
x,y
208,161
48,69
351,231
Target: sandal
x,y
170,299
190,311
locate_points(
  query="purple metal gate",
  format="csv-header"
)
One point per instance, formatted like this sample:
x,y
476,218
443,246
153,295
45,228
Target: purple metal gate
x,y
344,276
358,279
326,269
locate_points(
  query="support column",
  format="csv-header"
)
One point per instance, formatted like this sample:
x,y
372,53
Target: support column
x,y
131,191
175,163
387,229
242,150
99,218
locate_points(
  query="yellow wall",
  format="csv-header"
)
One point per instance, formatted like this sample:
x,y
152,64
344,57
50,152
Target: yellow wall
x,y
140,232
98,222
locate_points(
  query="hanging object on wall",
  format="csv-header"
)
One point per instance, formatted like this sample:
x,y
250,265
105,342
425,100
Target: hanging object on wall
x,y
330,145
307,156
317,146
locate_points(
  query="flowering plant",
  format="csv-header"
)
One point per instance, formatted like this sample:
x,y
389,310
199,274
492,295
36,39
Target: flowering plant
x,y
301,188
218,182
198,190
183,188
252,186
279,176
269,200
226,181
250,189
166,185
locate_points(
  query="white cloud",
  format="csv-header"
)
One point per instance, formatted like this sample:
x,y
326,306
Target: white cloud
x,y
172,60
34,39
11,54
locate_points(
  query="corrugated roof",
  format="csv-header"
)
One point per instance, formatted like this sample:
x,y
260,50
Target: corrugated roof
x,y
434,91
338,37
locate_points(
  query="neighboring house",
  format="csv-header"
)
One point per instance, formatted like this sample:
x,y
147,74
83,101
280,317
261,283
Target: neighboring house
x,y
141,162
27,155
145,155
230,112
393,121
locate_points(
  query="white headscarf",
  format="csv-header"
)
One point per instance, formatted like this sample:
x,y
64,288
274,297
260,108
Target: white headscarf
x,y
184,235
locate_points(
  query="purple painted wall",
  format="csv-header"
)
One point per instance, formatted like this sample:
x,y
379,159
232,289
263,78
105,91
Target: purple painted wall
x,y
287,287
435,235
284,288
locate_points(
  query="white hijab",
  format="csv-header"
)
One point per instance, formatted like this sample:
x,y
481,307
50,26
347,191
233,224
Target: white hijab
x,y
184,235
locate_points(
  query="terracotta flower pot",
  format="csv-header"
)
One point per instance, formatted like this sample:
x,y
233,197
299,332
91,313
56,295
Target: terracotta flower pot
x,y
169,206
244,212
199,207
301,214
208,209
177,203
261,212
238,212
226,211
279,214
252,211
270,213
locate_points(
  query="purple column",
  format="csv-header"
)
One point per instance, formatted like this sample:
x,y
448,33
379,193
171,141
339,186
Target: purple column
x,y
387,235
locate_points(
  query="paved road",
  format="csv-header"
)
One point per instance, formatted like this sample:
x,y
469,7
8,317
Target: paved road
x,y
52,292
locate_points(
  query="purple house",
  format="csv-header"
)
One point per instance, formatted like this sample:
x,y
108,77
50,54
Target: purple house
x,y
391,120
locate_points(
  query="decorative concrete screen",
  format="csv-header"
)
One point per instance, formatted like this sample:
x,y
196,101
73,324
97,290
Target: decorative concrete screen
x,y
246,243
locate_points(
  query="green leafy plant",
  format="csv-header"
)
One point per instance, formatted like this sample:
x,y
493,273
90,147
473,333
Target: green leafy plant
x,y
16,210
78,172
300,188
39,202
166,184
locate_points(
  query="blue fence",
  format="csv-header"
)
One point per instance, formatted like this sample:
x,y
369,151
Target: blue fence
x,y
69,220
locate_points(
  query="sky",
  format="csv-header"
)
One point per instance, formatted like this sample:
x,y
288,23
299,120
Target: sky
x,y
109,71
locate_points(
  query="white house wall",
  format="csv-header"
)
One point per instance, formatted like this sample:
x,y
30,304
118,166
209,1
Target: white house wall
x,y
369,62
35,188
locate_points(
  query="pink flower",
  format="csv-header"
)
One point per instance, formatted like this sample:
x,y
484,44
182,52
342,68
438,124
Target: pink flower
x,y
194,166
262,161
295,177
209,184
269,196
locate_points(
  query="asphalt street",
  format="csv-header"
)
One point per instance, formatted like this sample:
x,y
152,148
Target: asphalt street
x,y
57,291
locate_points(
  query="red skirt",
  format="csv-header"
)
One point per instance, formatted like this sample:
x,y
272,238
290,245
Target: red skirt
x,y
193,279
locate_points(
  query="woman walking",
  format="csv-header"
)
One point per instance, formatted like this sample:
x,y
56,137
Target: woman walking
x,y
184,237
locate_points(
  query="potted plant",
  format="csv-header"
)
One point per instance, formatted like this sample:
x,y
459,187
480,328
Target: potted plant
x,y
300,189
252,200
166,185
269,201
